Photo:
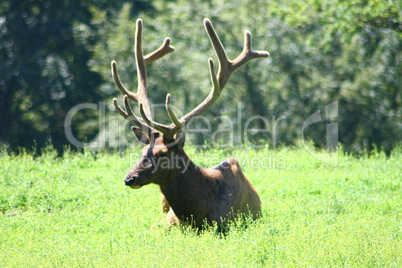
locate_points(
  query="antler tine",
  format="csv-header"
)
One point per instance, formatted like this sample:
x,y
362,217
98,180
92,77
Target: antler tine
x,y
119,84
166,130
129,115
165,49
141,70
141,62
224,62
248,53
171,114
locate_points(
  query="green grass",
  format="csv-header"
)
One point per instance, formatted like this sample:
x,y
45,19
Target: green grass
x,y
76,212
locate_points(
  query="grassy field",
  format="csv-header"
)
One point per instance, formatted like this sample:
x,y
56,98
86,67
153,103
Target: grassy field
x,y
76,212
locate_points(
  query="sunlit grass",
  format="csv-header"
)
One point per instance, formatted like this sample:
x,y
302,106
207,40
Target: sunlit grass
x,y
76,212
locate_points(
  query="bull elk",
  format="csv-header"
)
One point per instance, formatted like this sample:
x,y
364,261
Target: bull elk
x,y
192,195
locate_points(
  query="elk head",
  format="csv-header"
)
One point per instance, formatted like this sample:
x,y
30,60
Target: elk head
x,y
160,158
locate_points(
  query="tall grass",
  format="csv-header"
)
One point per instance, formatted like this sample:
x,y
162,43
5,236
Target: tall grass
x,y
76,212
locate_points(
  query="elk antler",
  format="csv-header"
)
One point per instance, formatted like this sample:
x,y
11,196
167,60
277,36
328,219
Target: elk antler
x,y
141,61
226,68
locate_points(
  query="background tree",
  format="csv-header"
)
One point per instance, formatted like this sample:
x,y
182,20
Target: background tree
x,y
45,52
356,53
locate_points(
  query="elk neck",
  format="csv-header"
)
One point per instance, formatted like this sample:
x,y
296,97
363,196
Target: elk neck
x,y
176,187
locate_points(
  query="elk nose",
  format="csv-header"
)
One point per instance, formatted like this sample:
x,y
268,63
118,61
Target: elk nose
x,y
128,182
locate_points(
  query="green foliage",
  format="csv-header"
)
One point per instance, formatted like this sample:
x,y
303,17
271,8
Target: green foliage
x,y
76,211
347,16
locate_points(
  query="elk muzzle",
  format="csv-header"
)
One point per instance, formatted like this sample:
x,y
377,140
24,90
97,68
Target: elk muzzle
x,y
133,181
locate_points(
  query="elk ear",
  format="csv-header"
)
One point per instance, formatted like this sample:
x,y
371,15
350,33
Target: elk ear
x,y
141,135
180,139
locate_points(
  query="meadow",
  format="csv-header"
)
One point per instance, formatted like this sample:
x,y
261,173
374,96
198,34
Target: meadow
x,y
76,212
